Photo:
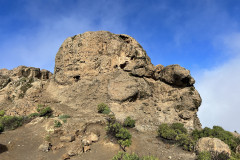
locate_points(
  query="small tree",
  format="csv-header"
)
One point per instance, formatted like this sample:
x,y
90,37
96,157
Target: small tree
x,y
120,133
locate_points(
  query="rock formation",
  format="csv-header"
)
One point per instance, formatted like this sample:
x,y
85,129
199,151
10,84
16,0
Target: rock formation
x,y
213,145
115,69
96,67
93,68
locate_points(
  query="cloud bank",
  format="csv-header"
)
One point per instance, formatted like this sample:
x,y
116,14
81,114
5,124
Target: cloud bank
x,y
220,88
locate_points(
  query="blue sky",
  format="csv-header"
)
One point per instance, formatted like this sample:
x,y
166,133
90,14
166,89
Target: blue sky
x,y
201,35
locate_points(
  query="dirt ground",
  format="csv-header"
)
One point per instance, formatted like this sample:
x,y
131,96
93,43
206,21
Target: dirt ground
x,y
23,143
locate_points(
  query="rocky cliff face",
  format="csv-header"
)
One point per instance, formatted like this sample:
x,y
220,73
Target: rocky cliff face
x,y
96,67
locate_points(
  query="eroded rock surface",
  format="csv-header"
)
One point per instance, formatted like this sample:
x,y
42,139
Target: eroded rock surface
x,y
21,89
100,67
213,145
96,67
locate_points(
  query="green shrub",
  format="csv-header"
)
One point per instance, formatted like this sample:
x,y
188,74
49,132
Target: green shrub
x,y
103,108
124,138
44,111
149,158
178,133
57,124
235,156
33,115
166,132
111,118
133,156
220,133
204,156
221,156
2,113
129,122
179,128
11,122
185,141
125,156
113,128
64,117
120,133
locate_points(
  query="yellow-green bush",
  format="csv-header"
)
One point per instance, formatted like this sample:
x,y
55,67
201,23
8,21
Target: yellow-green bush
x,y
204,156
103,108
133,156
2,112
129,122
10,122
125,156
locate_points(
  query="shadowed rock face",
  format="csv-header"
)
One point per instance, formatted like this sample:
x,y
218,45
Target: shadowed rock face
x,y
96,67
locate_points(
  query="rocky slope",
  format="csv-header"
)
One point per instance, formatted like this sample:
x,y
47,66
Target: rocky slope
x,y
96,67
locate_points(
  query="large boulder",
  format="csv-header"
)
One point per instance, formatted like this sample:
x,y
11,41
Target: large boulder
x,y
176,75
93,53
214,145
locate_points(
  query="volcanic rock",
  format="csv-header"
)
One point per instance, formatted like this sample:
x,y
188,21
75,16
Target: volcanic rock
x,y
96,67
213,145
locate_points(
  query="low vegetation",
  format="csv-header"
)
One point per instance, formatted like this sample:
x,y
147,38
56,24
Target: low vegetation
x,y
44,111
218,132
33,115
57,124
2,112
64,117
10,122
204,156
103,108
120,133
235,156
133,156
129,122
116,129
176,132
26,84
48,138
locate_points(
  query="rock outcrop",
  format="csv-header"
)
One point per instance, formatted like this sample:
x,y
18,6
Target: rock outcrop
x,y
96,67
116,70
214,145
93,68
20,89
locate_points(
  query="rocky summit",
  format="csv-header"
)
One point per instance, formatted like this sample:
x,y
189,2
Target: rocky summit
x,y
101,67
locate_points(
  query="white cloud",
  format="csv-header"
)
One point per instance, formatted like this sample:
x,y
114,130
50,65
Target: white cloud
x,y
220,89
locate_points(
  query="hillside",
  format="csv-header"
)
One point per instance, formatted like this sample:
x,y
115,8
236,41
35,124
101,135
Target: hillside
x,y
90,69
